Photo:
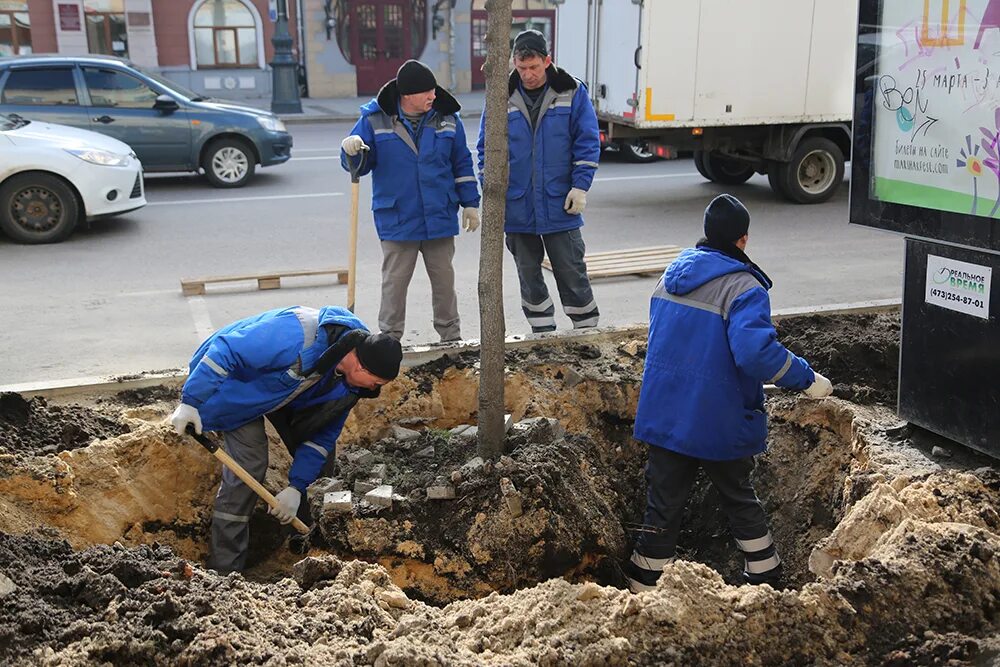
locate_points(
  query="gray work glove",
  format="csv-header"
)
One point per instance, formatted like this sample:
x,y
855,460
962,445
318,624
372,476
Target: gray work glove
x,y
820,388
353,145
576,201
184,415
470,218
288,505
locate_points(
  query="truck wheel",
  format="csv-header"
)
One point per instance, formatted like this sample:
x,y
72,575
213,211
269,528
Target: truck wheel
x,y
636,150
727,171
815,171
37,208
775,178
229,163
699,164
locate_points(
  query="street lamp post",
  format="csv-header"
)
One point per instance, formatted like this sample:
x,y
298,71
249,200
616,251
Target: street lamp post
x,y
284,68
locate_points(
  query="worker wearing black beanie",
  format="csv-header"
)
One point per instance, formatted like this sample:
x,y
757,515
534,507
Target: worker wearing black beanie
x,y
711,348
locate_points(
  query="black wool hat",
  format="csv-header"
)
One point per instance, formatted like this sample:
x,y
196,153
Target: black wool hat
x,y
415,77
531,40
726,219
381,355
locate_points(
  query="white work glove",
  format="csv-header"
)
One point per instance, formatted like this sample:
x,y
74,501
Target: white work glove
x,y
184,415
288,505
576,201
470,219
353,145
820,388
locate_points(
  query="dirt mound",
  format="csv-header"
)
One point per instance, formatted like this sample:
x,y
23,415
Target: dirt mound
x,y
33,427
859,353
550,507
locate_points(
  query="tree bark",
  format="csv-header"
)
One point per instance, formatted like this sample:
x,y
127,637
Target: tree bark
x,y
491,316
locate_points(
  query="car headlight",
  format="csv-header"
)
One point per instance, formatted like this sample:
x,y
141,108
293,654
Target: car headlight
x,y
103,158
272,123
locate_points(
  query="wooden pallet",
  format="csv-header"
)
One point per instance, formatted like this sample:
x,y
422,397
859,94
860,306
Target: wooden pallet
x,y
271,280
637,261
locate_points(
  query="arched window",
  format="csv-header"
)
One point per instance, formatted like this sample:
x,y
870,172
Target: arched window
x,y
106,33
226,33
15,28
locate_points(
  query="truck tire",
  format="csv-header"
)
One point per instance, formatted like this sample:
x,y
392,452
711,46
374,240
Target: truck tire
x,y
727,171
815,171
636,150
36,207
775,178
229,163
699,164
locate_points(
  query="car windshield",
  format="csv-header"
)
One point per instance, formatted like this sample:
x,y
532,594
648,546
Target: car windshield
x,y
172,86
11,121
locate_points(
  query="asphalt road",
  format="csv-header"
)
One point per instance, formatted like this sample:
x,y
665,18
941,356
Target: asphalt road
x,y
108,300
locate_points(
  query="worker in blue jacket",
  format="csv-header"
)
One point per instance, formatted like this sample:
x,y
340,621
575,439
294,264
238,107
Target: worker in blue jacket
x,y
302,368
555,146
413,143
711,348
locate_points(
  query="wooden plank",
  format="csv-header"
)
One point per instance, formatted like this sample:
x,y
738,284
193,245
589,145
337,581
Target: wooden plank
x,y
636,252
635,261
266,280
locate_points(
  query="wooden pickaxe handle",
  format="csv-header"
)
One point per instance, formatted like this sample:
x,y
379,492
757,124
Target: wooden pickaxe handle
x,y
240,472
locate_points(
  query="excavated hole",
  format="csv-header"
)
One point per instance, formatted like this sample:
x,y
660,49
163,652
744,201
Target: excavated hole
x,y
581,495
90,535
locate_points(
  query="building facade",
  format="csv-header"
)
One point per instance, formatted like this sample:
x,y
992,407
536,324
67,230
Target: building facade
x,y
222,47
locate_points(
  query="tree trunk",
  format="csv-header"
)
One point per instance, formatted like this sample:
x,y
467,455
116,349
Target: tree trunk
x,y
491,317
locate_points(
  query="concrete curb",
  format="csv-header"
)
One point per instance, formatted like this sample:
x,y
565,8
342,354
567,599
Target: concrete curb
x,y
415,355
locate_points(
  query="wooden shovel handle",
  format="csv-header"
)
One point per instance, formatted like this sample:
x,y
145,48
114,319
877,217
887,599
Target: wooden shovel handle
x,y
247,478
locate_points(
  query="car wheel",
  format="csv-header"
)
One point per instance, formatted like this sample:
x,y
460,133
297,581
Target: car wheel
x,y
636,150
229,163
38,208
727,171
815,171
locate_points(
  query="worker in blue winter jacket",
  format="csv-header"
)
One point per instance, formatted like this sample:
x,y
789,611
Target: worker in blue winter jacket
x,y
555,146
413,143
302,368
711,348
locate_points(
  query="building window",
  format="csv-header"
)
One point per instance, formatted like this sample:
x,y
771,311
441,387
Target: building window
x,y
15,28
106,32
225,35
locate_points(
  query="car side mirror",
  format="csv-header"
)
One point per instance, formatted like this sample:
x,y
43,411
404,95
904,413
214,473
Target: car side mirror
x,y
166,104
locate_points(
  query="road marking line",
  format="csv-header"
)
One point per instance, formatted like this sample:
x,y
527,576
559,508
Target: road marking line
x,y
152,292
318,150
202,320
315,157
226,200
639,178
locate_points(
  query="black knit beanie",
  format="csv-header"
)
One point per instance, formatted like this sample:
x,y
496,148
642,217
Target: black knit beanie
x,y
381,355
531,40
726,220
415,77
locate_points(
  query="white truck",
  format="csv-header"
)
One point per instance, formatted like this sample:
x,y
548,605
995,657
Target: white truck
x,y
763,86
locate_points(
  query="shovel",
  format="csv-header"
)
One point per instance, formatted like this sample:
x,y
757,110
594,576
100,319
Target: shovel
x,y
355,196
239,471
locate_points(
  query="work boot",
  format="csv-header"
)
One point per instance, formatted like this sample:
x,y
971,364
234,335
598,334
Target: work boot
x,y
774,578
643,578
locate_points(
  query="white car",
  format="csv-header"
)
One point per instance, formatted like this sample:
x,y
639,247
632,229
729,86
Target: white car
x,y
54,176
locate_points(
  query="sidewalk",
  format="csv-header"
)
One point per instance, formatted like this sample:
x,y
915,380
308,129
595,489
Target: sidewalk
x,y
332,109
